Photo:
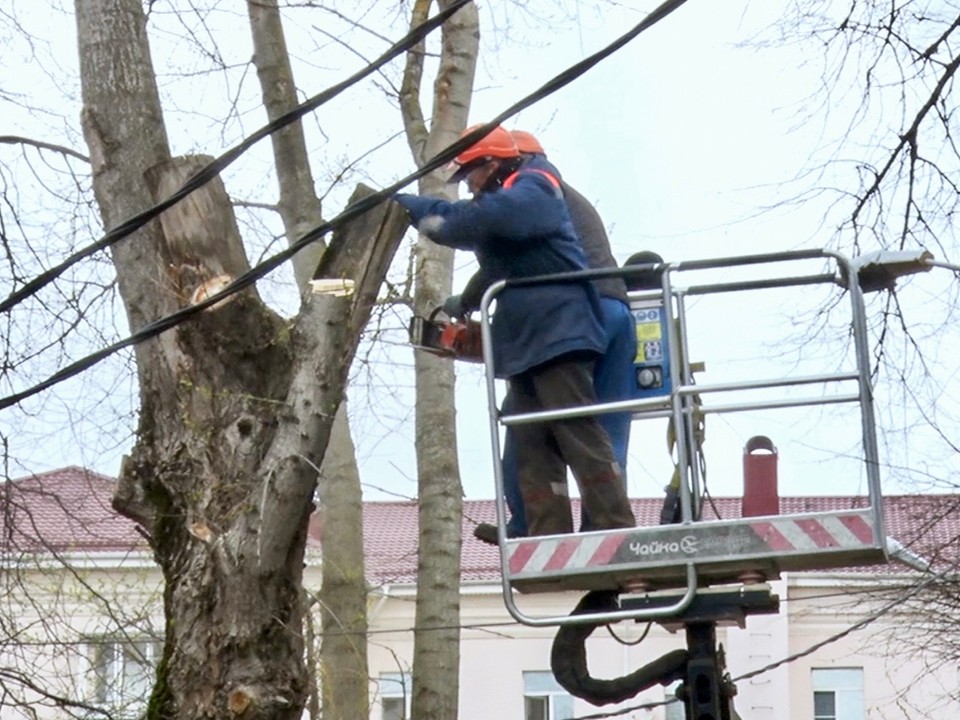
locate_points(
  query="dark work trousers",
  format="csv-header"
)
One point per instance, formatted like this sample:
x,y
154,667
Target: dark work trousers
x,y
546,449
613,380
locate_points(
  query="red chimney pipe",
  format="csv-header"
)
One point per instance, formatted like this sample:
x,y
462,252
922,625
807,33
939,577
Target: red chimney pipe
x,y
760,495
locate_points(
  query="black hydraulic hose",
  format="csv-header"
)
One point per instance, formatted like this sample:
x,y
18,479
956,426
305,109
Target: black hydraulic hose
x,y
568,659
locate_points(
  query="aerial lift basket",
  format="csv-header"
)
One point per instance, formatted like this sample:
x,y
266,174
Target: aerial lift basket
x,y
677,559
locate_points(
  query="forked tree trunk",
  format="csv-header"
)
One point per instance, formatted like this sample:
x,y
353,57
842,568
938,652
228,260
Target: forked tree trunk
x,y
236,404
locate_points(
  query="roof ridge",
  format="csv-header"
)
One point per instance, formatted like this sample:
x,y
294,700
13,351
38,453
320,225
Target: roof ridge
x,y
69,472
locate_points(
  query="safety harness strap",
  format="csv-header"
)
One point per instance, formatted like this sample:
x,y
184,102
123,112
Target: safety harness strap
x,y
512,178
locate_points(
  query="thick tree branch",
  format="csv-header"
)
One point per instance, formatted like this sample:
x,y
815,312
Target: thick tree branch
x,y
39,144
328,330
410,109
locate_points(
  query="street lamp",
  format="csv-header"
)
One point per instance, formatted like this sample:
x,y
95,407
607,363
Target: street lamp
x,y
879,270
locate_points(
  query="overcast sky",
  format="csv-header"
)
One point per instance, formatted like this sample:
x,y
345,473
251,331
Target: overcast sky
x,y
686,141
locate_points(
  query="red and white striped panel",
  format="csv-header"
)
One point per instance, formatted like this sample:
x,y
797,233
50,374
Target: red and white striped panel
x,y
569,553
808,534
701,542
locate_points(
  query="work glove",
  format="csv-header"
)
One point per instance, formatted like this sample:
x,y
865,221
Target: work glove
x,y
423,212
417,206
404,199
453,307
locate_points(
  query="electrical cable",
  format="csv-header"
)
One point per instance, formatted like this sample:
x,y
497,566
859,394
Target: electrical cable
x,y
843,633
790,658
351,211
216,166
865,592
630,643
909,592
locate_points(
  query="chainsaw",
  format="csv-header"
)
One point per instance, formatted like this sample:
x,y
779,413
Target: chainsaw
x,y
459,340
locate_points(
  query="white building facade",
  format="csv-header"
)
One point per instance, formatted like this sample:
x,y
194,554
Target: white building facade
x,y
82,620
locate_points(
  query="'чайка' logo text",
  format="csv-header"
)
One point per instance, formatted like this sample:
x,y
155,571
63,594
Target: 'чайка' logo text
x,y
686,545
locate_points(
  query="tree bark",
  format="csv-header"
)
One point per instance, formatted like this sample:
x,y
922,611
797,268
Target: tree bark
x,y
345,675
343,595
436,658
236,404
300,208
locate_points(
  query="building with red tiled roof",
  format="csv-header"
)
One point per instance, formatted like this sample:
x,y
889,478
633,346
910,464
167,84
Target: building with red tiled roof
x,y
848,646
64,510
510,662
71,510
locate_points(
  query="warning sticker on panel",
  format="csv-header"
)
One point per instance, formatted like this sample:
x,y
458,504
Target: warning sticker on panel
x,y
650,351
648,331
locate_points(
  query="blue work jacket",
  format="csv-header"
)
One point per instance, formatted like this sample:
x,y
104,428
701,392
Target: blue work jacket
x,y
521,231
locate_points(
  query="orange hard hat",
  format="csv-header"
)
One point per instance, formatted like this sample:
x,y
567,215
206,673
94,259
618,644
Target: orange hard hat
x,y
498,143
527,142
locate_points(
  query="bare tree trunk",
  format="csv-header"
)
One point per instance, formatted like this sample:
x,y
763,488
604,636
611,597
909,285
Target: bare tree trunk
x,y
299,205
436,657
343,596
345,677
236,404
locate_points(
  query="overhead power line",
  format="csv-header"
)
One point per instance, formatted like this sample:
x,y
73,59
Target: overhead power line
x,y
350,212
216,166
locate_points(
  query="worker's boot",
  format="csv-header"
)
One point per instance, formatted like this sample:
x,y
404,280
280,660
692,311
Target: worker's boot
x,y
486,532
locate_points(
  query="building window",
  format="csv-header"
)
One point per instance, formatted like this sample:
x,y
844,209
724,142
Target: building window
x,y
824,705
396,691
837,694
123,672
544,699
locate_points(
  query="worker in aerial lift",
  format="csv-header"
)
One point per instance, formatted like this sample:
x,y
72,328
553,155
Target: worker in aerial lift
x,y
546,337
613,372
